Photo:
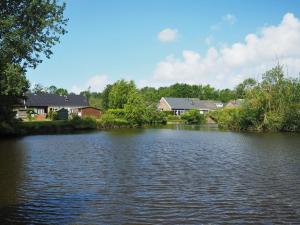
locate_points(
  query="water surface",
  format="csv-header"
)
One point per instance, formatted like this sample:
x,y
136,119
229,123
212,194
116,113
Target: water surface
x,y
151,176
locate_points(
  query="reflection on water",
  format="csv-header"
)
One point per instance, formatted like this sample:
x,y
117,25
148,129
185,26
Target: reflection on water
x,y
186,175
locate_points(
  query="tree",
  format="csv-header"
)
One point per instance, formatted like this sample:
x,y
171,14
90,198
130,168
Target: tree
x,y
39,89
28,30
245,86
105,96
61,91
52,89
135,109
120,93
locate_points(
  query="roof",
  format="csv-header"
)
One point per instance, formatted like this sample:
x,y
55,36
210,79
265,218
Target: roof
x,y
235,103
56,100
191,103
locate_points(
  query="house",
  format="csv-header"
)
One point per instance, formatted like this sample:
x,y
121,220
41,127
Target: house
x,y
180,105
89,112
235,103
42,104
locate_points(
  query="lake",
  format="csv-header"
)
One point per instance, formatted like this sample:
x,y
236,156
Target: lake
x,y
151,176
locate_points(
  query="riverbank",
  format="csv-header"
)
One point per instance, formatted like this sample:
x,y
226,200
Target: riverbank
x,y
65,126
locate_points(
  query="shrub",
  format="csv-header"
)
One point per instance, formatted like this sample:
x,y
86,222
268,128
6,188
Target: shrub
x,y
173,118
108,120
193,117
30,114
155,117
83,123
118,113
52,115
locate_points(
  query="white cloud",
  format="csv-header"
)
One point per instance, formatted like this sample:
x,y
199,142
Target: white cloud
x,y
228,19
167,35
227,66
97,83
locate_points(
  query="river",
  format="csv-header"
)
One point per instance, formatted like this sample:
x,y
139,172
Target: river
x,y
151,176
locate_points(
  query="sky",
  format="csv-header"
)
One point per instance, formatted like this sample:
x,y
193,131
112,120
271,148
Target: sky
x,y
161,42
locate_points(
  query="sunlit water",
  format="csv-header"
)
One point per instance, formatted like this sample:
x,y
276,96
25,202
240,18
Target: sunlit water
x,y
151,176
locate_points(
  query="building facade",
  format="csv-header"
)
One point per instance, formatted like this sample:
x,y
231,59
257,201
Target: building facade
x,y
180,105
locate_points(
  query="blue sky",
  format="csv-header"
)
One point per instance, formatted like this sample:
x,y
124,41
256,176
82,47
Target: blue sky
x,y
110,40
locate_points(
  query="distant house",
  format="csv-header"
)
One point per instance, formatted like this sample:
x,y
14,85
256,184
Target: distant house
x,y
235,103
181,105
42,104
89,112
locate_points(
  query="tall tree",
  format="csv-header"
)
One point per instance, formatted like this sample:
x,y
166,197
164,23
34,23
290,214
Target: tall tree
x,y
28,30
119,93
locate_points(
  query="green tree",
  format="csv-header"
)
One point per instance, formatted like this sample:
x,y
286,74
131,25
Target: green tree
x,y
52,89
61,91
135,109
39,89
28,30
120,93
105,96
245,86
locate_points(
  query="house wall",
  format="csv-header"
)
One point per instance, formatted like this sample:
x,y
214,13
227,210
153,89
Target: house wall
x,y
90,112
71,110
163,105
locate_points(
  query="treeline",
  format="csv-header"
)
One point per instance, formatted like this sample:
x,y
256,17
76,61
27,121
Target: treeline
x,y
152,95
271,105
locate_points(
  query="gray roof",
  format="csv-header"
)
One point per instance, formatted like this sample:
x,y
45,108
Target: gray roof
x,y
56,100
191,103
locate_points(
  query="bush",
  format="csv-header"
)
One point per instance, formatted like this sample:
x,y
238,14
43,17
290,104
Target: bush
x,y
193,117
30,114
173,118
273,121
118,113
83,123
228,118
155,117
52,115
109,120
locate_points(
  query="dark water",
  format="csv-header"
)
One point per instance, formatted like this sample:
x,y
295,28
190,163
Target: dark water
x,y
151,176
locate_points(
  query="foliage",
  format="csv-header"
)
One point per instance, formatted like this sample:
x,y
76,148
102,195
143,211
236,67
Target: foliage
x,y
120,93
109,120
271,105
174,118
135,109
105,96
52,115
28,30
83,123
193,117
30,114
118,113
153,116
246,85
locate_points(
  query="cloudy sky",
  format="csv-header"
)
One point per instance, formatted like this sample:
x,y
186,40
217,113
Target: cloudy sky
x,y
161,42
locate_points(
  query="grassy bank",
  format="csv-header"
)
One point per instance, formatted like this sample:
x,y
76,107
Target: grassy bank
x,y
67,126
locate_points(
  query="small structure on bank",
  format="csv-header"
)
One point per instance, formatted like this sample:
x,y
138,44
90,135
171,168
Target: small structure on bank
x,y
62,114
89,112
181,105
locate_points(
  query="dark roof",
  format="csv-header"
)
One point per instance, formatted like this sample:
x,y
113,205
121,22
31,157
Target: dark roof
x,y
191,103
56,100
